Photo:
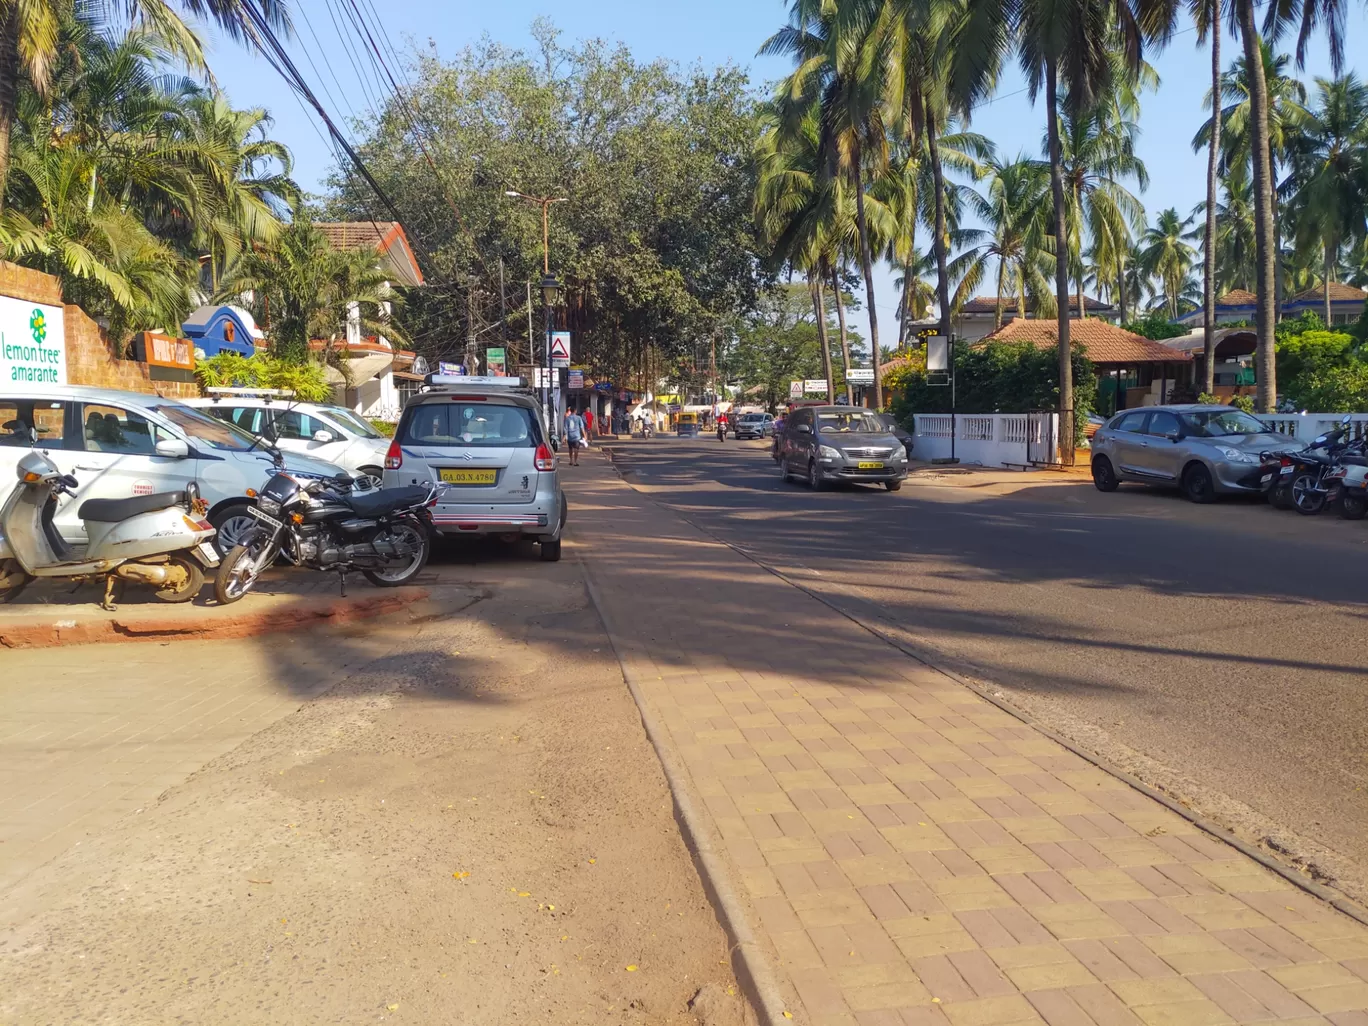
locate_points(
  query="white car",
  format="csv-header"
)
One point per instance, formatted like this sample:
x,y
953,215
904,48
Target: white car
x,y
122,444
320,430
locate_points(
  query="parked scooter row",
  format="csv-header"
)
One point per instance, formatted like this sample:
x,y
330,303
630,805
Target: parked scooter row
x,y
1331,471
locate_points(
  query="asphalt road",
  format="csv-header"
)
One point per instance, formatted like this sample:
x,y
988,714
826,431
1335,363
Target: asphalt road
x,y
1217,652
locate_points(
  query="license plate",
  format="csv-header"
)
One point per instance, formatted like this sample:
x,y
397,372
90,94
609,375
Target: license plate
x,y
208,554
475,477
870,465
1286,471
264,518
1265,479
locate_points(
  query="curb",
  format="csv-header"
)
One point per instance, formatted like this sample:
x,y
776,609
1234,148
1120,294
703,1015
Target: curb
x,y
300,615
750,962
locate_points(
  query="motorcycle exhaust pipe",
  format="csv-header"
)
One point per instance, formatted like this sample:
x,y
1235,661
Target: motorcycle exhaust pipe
x,y
145,573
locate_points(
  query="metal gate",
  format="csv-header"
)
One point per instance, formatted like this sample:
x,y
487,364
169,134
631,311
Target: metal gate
x,y
1045,429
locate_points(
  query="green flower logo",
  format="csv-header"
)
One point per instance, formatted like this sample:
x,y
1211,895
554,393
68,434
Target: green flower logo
x,y
38,326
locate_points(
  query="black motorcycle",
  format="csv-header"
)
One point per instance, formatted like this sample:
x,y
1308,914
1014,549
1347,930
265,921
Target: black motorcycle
x,y
384,534
1302,478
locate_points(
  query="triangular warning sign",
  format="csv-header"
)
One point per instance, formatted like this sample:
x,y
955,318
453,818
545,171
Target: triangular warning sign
x,y
560,347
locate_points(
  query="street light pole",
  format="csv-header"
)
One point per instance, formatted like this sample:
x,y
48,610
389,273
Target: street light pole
x,y
550,289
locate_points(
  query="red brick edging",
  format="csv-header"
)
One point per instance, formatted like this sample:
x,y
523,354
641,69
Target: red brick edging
x,y
302,614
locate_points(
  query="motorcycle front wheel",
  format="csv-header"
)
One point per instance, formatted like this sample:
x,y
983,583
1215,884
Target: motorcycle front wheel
x,y
415,538
1305,498
240,569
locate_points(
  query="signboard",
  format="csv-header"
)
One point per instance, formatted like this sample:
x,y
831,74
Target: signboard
x,y
32,343
167,358
860,375
576,379
795,390
447,369
496,361
937,353
560,349
542,377
814,385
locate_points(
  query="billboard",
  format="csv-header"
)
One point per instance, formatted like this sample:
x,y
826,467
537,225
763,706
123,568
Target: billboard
x,y
32,343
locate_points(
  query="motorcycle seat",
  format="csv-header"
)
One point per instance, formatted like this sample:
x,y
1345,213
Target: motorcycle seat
x,y
387,500
111,511
1354,461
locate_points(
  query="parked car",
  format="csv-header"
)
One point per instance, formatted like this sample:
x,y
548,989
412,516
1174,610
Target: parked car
x,y
1204,450
897,431
754,425
331,433
485,441
121,444
840,443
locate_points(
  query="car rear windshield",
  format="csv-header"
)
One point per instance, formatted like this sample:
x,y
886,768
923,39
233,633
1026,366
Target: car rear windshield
x,y
1222,424
471,424
855,422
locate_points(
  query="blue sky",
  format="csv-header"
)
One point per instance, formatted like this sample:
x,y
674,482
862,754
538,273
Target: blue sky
x,y
713,32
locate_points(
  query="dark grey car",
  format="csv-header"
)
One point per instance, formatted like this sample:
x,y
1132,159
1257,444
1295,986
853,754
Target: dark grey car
x,y
1204,450
823,444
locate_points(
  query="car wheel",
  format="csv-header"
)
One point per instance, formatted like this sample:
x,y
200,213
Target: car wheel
x,y
1197,484
1353,507
1280,497
233,524
814,477
784,476
1305,498
893,486
551,551
1104,477
375,474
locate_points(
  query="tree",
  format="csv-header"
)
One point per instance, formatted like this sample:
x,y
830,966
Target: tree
x,y
1329,154
1207,15
1166,255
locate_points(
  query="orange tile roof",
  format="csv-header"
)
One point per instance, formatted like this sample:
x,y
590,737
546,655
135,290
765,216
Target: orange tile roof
x,y
1102,342
1237,297
1339,293
382,236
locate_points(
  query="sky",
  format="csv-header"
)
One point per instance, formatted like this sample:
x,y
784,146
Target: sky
x,y
710,32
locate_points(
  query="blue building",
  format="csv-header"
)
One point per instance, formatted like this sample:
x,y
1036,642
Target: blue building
x,y
214,329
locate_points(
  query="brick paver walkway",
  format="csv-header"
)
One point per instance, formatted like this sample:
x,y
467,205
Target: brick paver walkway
x,y
914,854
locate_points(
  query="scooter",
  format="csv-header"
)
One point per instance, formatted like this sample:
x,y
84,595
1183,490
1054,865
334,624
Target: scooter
x,y
162,540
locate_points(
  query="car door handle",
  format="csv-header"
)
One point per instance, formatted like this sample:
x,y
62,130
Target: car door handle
x,y
1144,445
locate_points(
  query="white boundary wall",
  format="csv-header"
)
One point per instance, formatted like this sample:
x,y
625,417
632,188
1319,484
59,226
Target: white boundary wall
x,y
989,439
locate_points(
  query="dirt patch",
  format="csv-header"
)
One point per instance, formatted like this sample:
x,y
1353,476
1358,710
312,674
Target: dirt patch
x,y
494,844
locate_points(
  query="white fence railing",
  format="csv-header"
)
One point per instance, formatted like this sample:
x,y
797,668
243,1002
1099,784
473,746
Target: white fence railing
x,y
1306,426
989,439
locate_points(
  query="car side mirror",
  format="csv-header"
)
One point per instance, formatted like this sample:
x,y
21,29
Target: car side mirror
x,y
1174,436
173,448
322,436
804,429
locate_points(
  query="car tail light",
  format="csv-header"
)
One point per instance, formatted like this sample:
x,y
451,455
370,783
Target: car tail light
x,y
394,459
545,458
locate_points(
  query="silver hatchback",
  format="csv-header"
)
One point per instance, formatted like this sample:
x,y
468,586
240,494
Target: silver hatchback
x,y
484,440
1203,450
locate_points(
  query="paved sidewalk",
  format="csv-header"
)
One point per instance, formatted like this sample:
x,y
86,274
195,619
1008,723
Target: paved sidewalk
x,y
915,855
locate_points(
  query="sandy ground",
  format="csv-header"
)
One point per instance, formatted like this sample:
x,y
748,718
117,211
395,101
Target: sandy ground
x,y
475,831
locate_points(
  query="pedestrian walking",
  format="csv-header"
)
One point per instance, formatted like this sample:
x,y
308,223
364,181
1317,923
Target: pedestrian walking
x,y
574,435
588,422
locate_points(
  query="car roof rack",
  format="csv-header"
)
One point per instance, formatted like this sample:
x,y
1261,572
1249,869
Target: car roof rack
x,y
251,393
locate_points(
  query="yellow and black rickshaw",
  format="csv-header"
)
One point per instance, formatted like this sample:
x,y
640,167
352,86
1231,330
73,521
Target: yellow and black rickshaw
x,y
686,425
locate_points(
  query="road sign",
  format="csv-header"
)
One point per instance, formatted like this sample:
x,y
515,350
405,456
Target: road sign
x,y
860,375
560,349
795,390
937,353
814,385
576,379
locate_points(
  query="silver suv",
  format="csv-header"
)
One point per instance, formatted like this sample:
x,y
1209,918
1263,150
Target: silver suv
x,y
825,444
483,438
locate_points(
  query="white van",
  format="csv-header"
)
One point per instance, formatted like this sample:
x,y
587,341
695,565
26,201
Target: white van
x,y
121,444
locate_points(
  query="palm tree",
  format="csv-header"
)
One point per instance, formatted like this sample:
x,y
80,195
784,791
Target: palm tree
x,y
1207,16
1013,212
31,30
1330,174
1166,255
1235,246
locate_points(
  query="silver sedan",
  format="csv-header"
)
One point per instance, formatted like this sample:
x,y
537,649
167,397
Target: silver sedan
x,y
1203,450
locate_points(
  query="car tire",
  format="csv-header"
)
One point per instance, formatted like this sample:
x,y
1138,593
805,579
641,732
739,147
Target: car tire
x,y
1197,484
238,521
1280,497
814,477
551,550
784,476
376,474
1104,475
893,486
1353,507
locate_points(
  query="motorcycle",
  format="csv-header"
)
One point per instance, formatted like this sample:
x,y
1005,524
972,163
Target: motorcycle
x,y
721,430
384,534
162,539
1302,482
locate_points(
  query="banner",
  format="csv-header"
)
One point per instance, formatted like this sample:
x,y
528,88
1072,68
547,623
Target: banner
x,y
32,343
860,375
496,365
447,369
814,385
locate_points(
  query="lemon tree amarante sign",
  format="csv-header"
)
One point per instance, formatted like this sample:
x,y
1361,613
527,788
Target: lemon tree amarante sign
x,y
32,343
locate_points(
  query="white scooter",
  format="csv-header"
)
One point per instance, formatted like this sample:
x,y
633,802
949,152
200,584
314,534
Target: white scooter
x,y
162,540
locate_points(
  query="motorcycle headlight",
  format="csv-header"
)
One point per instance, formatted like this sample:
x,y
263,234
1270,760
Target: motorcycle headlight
x,y
268,505
1236,456
828,453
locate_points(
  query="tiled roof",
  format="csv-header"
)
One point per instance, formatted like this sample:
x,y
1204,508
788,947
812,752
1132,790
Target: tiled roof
x,y
988,304
1103,342
1339,293
1237,297
356,234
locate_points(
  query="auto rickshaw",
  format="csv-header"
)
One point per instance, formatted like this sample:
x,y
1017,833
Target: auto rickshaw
x,y
686,425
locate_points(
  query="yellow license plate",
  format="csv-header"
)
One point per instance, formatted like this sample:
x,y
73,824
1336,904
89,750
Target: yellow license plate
x,y
476,477
870,465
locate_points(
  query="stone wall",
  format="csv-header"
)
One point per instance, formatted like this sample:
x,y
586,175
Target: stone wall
x,y
90,358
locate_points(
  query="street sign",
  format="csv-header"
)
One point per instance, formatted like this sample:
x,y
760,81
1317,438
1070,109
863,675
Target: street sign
x,y
795,390
860,375
448,369
542,377
937,353
814,385
576,379
560,349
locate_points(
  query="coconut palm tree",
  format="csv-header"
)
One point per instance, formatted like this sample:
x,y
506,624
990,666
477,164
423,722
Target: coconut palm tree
x,y
1166,255
1329,185
1235,246
1206,14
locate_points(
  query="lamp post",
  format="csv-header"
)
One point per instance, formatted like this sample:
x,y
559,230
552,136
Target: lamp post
x,y
550,290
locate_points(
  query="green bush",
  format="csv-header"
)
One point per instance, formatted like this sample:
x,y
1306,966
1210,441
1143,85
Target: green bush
x,y
1155,326
1325,371
383,426
233,370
